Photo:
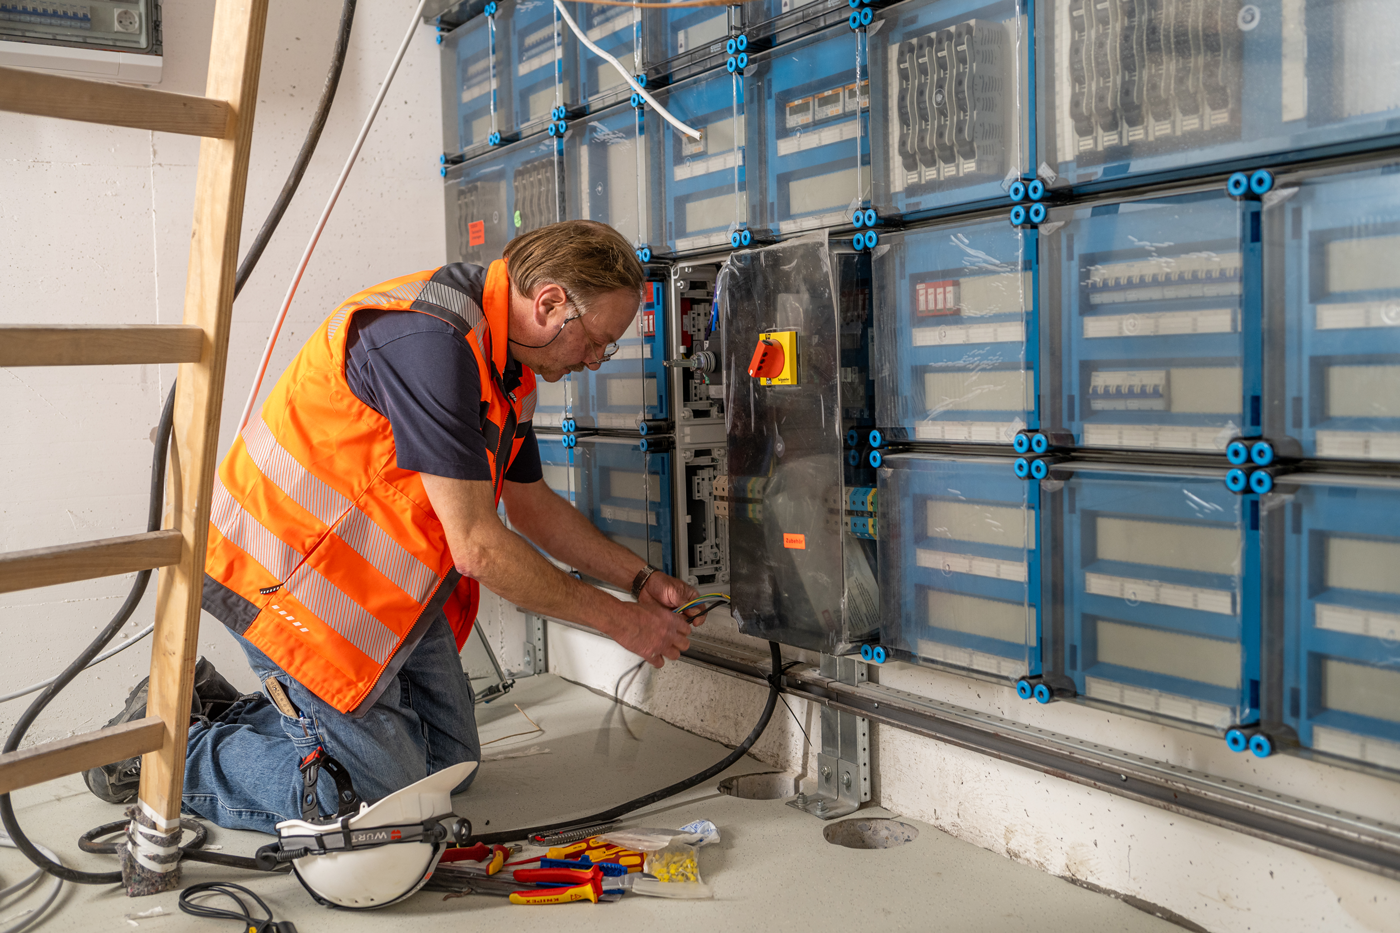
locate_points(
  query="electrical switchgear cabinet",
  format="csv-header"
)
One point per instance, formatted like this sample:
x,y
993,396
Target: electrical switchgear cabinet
x,y
956,329
796,578
959,564
621,32
492,199
608,170
626,493
690,40
1127,88
552,402
703,180
1341,603
808,136
542,63
1333,249
948,113
474,86
1157,612
1151,313
633,386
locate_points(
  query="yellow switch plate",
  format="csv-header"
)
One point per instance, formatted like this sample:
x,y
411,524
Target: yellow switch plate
x,y
788,340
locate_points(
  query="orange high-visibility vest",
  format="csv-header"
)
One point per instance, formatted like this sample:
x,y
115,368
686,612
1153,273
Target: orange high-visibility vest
x,y
322,552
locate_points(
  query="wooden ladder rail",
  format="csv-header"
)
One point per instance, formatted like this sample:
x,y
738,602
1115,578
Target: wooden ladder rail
x,y
224,117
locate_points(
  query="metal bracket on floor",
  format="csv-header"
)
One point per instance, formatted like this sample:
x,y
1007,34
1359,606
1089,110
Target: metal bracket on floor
x,y
843,765
536,648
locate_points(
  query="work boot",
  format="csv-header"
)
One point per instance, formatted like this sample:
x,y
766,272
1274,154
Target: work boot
x,y
118,782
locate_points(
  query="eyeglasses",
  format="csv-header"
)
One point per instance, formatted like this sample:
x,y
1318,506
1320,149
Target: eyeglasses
x,y
609,350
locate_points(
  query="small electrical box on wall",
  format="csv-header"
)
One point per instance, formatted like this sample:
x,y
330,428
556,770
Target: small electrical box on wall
x,y
774,360
118,40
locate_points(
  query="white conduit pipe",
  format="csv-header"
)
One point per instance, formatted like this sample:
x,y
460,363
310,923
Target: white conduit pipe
x,y
93,663
326,213
687,130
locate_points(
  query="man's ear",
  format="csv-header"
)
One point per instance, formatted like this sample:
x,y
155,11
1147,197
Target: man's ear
x,y
550,305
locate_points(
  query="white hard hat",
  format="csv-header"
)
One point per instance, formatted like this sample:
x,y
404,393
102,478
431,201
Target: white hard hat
x,y
380,855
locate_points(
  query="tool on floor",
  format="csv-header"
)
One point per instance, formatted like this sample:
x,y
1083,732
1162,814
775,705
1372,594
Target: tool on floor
x,y
577,885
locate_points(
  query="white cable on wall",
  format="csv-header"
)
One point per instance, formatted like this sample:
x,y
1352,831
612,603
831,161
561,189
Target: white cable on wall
x,y
326,213
687,130
25,691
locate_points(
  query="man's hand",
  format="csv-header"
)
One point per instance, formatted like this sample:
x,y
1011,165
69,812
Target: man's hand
x,y
668,592
652,631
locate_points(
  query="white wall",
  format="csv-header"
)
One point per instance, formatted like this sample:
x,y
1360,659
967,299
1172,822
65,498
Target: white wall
x,y
1220,880
94,228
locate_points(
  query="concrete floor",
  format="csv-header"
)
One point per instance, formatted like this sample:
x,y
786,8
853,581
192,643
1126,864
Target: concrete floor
x,y
772,870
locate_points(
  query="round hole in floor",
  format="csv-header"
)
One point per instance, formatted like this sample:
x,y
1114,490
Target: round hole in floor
x,y
869,833
767,785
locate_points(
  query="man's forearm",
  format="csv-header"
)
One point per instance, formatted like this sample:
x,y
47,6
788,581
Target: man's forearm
x,y
556,526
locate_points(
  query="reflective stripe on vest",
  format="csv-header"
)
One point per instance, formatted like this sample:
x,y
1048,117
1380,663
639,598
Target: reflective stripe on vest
x,y
314,524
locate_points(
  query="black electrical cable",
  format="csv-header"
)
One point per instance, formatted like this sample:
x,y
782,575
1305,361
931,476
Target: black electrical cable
x,y
156,500
622,809
231,891
133,598
308,146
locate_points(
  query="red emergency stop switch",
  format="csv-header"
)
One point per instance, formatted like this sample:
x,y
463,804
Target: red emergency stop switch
x,y
768,359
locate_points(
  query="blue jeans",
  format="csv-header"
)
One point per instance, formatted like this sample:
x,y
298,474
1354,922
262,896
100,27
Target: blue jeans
x,y
241,771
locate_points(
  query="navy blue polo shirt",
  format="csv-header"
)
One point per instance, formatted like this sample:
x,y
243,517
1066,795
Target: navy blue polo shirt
x,y
418,372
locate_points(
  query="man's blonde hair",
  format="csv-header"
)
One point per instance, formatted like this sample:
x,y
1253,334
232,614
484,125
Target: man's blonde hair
x,y
583,257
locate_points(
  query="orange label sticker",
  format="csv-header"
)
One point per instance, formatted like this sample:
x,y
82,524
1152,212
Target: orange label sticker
x,y
796,542
476,233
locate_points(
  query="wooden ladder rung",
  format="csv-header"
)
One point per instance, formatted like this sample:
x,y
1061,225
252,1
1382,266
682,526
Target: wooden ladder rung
x,y
98,345
30,766
48,95
87,560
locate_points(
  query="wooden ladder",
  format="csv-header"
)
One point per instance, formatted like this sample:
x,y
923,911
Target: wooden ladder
x,y
224,117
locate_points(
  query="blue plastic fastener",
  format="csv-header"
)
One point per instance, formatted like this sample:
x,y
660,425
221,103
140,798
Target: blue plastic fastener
x,y
1261,183
636,100
871,238
1024,690
554,113
876,458
1040,469
1236,480
858,242
731,46
1237,185
641,80
1039,443
439,39
734,239
1237,452
1261,482
853,457
642,429
1018,215
743,60
852,437
642,445
1037,213
1035,190
878,654
646,254
853,4
745,237
1262,453
1260,745
564,440
865,653
491,8
1021,443
569,425
871,218
854,21
1017,191
866,17
1236,740
1043,694
442,159
443,171
731,65
1022,467
858,218
876,438
742,42
562,127
552,130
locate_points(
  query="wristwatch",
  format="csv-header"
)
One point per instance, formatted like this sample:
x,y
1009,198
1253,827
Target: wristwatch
x,y
640,580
